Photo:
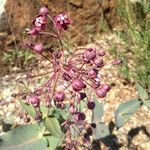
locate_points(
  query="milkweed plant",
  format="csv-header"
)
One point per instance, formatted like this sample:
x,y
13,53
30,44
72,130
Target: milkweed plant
x,y
67,108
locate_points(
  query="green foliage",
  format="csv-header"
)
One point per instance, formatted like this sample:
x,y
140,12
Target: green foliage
x,y
101,131
31,110
28,108
28,137
54,142
142,92
17,57
143,95
125,111
52,124
147,102
97,112
136,35
25,137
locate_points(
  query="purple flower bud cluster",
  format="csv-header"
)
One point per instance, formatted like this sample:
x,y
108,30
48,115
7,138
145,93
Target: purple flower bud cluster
x,y
73,79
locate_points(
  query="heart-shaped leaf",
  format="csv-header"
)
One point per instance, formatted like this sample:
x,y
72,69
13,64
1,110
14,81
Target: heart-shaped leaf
x,y
125,111
52,124
25,137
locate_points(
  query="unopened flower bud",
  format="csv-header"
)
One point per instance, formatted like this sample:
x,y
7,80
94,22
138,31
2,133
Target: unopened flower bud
x,y
43,11
79,117
101,93
117,62
96,84
59,96
78,85
99,62
38,48
57,54
89,54
33,100
106,87
91,105
101,52
92,73
81,96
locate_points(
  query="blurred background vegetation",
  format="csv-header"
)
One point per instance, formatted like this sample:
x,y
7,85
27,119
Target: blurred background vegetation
x,y
136,35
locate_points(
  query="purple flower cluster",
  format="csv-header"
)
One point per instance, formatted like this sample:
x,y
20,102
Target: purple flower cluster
x,y
78,74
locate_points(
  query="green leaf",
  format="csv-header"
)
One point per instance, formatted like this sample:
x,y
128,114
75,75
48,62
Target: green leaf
x,y
101,131
44,111
25,137
125,111
54,142
61,113
147,102
28,108
97,112
142,92
52,124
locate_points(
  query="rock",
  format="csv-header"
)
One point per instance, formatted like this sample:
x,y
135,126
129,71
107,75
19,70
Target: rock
x,y
2,3
109,12
85,14
11,107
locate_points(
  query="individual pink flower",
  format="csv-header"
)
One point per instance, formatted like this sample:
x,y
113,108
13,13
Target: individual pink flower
x,y
40,22
62,21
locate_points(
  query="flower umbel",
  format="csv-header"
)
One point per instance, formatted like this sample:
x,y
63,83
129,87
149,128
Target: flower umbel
x,y
73,79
